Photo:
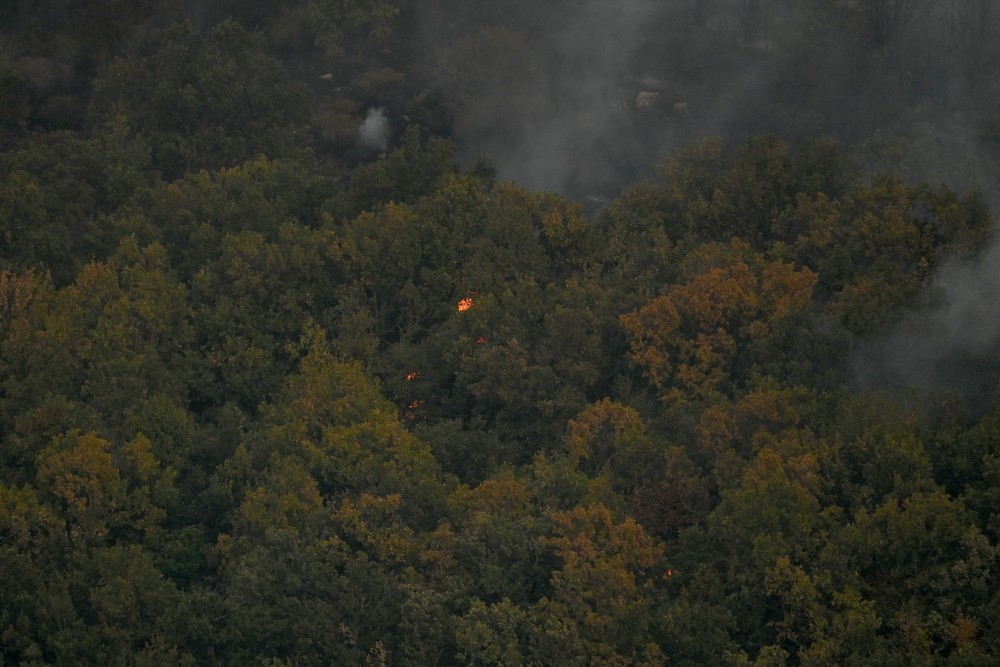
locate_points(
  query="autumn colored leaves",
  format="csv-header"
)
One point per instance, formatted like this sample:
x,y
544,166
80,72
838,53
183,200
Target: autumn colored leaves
x,y
687,340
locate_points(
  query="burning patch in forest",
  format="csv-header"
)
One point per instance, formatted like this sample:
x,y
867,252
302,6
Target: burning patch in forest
x,y
413,410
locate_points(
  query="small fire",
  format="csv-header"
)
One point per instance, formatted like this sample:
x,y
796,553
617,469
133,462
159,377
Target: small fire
x,y
669,573
465,304
416,405
481,340
412,376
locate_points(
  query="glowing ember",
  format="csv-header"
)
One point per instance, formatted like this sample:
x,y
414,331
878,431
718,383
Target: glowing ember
x,y
465,304
412,376
481,340
416,405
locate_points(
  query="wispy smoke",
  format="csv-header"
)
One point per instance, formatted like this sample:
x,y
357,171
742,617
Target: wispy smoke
x,y
374,131
951,342
547,94
584,96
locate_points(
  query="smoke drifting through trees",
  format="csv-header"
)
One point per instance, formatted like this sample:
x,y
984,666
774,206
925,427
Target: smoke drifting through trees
x,y
273,393
546,93
950,342
584,97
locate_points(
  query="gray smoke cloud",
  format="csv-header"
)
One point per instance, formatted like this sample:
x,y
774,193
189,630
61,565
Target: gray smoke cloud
x,y
951,342
583,97
374,132
548,93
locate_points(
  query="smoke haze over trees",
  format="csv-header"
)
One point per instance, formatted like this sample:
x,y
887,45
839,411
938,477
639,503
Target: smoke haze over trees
x,y
549,89
360,332
583,97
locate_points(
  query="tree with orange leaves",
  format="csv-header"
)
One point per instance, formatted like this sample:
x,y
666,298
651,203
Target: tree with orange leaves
x,y
601,604
690,340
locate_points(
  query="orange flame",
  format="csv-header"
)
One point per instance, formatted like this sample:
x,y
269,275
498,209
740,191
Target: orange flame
x,y
412,376
465,304
481,340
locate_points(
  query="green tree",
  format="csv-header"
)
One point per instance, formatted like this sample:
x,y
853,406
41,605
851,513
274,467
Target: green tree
x,y
101,347
497,531
600,608
202,101
57,193
333,419
610,439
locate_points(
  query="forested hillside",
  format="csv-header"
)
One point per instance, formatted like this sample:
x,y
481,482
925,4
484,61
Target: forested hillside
x,y
293,373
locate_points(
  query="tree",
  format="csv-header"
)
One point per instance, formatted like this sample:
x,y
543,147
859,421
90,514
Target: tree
x,y
925,549
58,192
97,350
411,170
599,611
610,439
36,609
342,29
492,634
14,100
106,493
202,101
691,341
638,252
485,74
497,531
332,418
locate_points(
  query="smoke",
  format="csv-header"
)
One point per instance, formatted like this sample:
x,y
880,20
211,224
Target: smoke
x,y
951,343
550,92
547,92
583,97
954,341
374,132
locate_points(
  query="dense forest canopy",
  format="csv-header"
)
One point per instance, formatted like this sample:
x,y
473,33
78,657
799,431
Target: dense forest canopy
x,y
568,333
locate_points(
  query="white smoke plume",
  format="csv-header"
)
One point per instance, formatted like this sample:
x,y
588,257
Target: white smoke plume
x,y
950,343
374,131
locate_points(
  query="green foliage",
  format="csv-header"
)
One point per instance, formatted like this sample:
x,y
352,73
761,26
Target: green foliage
x,y
57,193
599,609
202,101
409,171
268,399
14,101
